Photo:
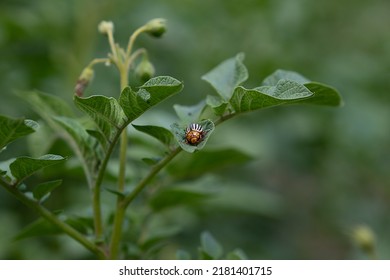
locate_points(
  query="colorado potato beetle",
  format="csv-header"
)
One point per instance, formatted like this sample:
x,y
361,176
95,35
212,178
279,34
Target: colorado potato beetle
x,y
194,134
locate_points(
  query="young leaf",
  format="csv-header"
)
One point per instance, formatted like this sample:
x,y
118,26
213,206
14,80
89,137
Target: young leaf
x,y
105,111
23,167
210,248
189,114
160,133
44,189
217,104
180,134
154,91
12,129
227,76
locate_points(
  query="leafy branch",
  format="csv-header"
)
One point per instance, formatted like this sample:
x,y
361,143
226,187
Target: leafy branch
x,y
94,143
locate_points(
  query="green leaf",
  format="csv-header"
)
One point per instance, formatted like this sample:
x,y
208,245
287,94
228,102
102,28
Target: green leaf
x,y
47,105
189,114
322,95
39,227
154,91
280,74
162,134
227,76
43,190
42,227
286,90
283,87
210,248
217,104
180,134
23,167
207,161
12,129
245,100
41,142
81,224
105,111
86,147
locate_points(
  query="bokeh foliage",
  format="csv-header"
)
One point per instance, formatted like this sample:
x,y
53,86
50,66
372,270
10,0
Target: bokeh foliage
x,y
304,176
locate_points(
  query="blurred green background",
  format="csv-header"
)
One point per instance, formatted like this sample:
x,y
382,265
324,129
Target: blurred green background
x,y
316,172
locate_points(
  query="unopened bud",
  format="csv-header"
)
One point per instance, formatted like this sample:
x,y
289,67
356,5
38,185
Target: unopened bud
x,y
364,237
145,70
106,27
83,81
156,27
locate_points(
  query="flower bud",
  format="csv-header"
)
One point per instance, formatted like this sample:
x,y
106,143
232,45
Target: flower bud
x,y
83,81
156,27
364,238
145,70
106,27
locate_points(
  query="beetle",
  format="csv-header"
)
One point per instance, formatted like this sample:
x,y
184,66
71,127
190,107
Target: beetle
x,y
194,134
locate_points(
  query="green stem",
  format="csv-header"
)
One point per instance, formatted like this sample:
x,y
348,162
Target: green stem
x,y
98,60
96,191
123,202
152,173
132,40
120,211
67,229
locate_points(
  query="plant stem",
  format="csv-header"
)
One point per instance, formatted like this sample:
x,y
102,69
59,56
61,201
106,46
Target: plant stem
x,y
120,211
67,229
152,173
96,191
132,40
123,202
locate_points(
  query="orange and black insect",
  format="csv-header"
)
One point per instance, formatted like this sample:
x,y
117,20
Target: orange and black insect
x,y
194,134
